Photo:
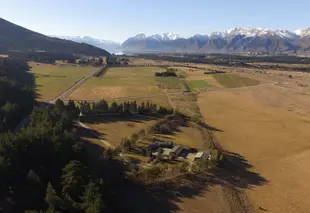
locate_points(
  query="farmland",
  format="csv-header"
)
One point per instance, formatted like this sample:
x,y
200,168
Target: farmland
x,y
264,124
198,84
268,126
232,80
52,80
119,82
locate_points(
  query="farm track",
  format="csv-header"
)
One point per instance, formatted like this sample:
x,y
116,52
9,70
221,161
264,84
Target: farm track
x,y
77,84
107,144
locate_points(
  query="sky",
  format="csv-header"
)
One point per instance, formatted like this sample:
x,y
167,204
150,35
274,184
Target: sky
x,y
118,20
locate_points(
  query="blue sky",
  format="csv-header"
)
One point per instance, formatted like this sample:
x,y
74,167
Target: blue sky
x,y
119,19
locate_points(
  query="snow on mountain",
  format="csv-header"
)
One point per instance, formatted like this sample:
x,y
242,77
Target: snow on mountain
x,y
171,36
159,37
108,45
253,32
86,38
303,32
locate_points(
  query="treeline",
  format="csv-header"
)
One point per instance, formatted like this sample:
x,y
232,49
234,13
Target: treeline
x,y
114,60
85,61
210,71
17,94
225,59
125,108
168,73
44,57
48,168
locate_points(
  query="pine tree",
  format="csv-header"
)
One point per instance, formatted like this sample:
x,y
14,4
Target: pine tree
x,y
92,199
73,178
60,105
120,108
54,202
113,107
105,106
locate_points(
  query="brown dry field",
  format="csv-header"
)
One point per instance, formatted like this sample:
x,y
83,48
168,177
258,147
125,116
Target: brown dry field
x,y
268,125
114,130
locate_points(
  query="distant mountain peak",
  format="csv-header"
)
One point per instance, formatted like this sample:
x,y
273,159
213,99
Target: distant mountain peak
x,y
161,37
303,32
237,39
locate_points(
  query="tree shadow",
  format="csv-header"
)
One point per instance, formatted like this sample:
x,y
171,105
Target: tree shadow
x,y
238,172
85,133
97,119
209,127
168,196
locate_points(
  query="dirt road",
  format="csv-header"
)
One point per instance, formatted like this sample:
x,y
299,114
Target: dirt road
x,y
77,84
107,144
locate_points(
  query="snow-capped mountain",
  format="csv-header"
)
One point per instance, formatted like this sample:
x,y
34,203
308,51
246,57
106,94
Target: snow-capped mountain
x,y
160,37
238,39
108,45
303,32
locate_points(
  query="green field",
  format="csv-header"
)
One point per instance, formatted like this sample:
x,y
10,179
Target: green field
x,y
170,82
125,82
127,76
198,84
52,80
233,81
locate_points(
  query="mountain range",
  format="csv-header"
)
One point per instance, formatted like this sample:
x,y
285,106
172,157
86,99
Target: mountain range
x,y
18,39
233,40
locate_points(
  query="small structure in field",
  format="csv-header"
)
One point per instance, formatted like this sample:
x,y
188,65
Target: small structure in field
x,y
202,155
176,150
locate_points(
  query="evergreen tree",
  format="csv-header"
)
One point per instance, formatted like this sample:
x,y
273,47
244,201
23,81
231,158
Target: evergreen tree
x,y
54,202
114,107
73,177
60,105
92,199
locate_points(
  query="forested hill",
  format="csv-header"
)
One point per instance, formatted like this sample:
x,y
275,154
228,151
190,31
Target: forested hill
x,y
17,93
17,38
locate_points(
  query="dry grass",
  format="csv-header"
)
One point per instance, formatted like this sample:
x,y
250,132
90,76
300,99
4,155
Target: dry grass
x,y
273,139
52,80
114,130
187,136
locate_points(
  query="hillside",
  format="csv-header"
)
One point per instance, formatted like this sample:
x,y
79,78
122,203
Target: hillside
x,y
110,46
17,38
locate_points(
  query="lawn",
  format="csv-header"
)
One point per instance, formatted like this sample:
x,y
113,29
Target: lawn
x,y
119,83
198,84
52,80
233,81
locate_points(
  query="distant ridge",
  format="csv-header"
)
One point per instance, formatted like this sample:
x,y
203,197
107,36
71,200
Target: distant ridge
x,y
111,46
17,38
235,40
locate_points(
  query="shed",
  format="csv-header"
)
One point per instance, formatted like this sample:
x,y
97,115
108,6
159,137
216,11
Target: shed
x,y
177,150
200,155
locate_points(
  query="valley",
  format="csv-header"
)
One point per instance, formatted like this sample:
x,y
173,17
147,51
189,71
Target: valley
x,y
260,116
179,124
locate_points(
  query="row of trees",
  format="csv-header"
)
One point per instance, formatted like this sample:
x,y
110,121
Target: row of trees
x,y
125,108
168,73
